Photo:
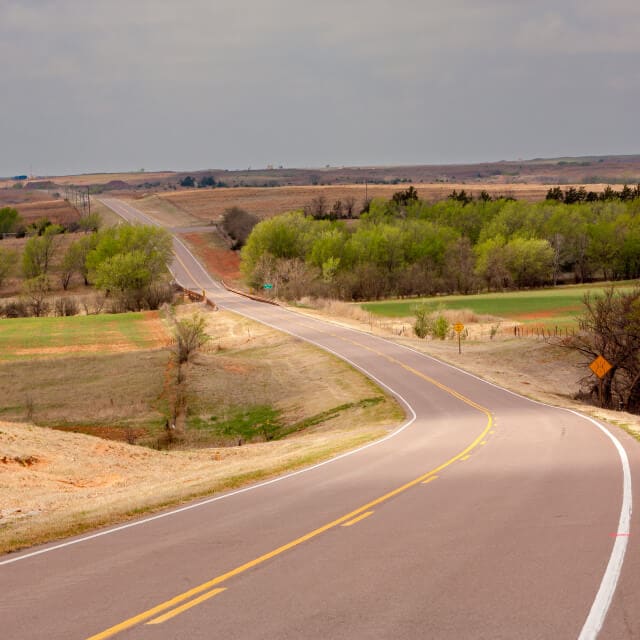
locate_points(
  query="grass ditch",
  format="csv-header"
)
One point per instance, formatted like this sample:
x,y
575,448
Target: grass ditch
x,y
248,376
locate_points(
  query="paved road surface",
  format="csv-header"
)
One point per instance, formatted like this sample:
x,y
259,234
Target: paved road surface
x,y
485,515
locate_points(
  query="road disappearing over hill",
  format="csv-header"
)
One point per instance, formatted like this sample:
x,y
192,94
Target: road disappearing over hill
x,y
485,515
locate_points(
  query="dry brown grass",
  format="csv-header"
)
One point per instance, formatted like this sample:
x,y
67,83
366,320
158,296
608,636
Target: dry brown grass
x,y
98,178
58,211
55,483
540,369
210,204
165,211
68,483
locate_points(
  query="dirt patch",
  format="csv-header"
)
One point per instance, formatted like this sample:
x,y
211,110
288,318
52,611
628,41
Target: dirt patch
x,y
541,315
224,263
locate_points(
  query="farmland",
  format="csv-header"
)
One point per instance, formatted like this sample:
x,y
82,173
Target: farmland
x,y
116,380
560,306
108,374
210,204
25,338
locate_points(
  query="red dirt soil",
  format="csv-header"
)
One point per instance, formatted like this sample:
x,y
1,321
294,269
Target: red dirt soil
x,y
224,263
544,314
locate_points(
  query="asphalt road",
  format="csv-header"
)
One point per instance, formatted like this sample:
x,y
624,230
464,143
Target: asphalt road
x,y
485,515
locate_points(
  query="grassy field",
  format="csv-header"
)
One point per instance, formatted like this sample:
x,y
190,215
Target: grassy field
x,y
26,338
560,306
103,374
250,377
113,375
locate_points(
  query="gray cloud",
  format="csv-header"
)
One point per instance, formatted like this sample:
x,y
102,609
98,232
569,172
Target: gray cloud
x,y
110,85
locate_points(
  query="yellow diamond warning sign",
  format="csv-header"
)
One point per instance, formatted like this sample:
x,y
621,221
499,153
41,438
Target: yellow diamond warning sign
x,y
600,367
458,327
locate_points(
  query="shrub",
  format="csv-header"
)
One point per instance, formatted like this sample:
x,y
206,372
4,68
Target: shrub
x,y
66,307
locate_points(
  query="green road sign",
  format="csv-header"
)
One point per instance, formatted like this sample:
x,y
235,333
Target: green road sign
x,y
267,285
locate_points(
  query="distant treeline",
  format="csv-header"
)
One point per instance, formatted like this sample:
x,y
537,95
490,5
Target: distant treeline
x,y
405,246
573,195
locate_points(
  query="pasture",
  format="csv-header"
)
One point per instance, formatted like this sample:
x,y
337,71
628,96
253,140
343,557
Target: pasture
x,y
27,338
560,306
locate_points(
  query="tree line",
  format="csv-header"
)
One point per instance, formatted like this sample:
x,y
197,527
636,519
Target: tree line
x,y
127,263
405,247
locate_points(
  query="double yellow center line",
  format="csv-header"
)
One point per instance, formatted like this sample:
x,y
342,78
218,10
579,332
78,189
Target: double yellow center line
x,y
174,606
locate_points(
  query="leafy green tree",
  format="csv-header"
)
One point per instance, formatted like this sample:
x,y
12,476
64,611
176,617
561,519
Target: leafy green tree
x,y
129,261
155,243
39,251
90,222
491,263
191,334
286,236
10,220
7,262
529,261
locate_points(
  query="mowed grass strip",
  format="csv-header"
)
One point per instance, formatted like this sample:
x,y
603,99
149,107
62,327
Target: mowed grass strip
x,y
559,306
22,338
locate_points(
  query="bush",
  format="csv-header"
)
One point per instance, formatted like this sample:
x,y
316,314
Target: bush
x,y
15,309
422,326
238,224
440,327
66,307
158,294
190,335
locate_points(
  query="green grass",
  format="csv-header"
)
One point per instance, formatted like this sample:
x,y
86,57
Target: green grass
x,y
558,306
101,331
264,422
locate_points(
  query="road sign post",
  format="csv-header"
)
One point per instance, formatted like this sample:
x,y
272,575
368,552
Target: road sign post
x,y
458,327
600,366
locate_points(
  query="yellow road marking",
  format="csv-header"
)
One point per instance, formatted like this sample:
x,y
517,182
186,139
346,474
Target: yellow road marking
x,y
483,443
463,455
431,479
184,607
184,266
360,517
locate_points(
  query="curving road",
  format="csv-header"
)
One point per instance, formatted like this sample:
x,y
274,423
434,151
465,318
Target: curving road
x,y
485,515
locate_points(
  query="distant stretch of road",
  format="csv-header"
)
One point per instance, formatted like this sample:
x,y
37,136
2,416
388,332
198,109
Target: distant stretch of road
x,y
485,515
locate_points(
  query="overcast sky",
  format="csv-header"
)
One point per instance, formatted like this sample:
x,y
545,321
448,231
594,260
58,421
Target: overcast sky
x,y
121,85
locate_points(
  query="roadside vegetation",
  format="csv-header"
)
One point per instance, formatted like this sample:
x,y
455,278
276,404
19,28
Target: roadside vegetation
x,y
55,271
255,403
407,247
176,379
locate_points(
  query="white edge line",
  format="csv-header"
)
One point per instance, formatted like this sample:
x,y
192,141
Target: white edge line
x,y
202,503
604,596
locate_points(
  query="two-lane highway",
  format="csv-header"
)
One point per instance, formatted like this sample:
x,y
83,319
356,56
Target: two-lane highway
x,y
485,515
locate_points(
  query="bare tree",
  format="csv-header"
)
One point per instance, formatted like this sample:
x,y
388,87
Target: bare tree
x,y
610,327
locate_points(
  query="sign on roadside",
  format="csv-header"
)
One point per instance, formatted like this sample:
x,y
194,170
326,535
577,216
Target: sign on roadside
x,y
600,366
458,327
267,285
